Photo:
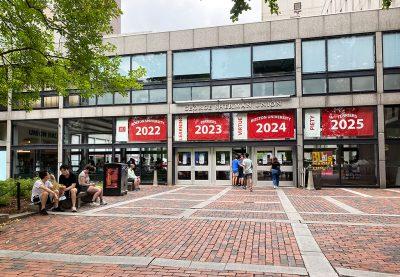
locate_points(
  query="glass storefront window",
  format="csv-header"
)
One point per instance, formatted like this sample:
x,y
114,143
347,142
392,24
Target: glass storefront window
x,y
30,132
392,122
219,92
342,164
184,175
201,158
391,50
351,53
88,130
392,150
73,100
184,158
223,157
27,163
3,133
231,63
273,58
192,65
182,94
240,91
155,65
263,89
314,86
50,102
313,56
200,93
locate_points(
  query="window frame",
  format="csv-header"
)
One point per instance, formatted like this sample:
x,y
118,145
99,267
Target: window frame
x,y
389,70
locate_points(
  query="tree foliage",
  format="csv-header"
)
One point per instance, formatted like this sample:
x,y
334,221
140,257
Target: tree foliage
x,y
58,45
239,6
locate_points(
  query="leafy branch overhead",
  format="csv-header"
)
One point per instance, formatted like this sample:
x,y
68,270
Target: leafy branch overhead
x,y
58,45
240,6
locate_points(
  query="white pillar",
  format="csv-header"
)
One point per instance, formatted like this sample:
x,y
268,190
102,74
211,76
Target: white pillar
x,y
170,158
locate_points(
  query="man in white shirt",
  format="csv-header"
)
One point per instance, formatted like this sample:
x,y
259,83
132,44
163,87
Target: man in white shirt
x,y
90,188
133,178
248,171
41,192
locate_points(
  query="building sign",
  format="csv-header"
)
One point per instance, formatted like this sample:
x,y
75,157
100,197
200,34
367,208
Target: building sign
x,y
339,122
217,107
275,125
141,129
210,127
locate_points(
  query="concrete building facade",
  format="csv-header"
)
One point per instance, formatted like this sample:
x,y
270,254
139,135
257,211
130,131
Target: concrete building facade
x,y
321,93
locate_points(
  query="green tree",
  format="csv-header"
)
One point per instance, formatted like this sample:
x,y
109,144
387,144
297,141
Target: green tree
x,y
240,6
58,45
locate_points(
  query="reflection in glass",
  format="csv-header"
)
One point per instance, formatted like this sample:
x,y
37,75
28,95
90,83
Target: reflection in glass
x,y
125,65
158,95
364,83
155,65
273,58
264,157
391,81
313,56
223,175
231,63
192,65
50,101
314,86
284,88
339,85
263,89
182,94
391,48
120,99
200,93
140,96
106,99
240,91
219,92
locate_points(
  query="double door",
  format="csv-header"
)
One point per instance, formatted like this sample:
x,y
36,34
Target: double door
x,y
203,166
262,160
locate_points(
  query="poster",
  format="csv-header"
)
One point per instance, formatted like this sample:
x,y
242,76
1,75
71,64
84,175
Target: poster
x,y
240,126
112,176
348,122
312,123
180,128
274,125
324,161
184,159
147,128
223,158
208,127
121,133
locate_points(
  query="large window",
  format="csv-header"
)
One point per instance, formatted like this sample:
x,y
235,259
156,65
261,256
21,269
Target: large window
x,y
391,61
273,59
392,145
192,65
231,63
338,65
3,133
47,100
155,65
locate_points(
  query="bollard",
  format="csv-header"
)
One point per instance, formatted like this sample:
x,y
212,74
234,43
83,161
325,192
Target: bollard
x,y
18,196
155,178
310,181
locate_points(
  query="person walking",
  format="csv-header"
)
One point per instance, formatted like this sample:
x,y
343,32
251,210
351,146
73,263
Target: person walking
x,y
276,172
235,171
248,171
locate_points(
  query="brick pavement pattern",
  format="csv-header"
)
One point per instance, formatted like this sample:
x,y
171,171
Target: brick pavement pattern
x,y
213,226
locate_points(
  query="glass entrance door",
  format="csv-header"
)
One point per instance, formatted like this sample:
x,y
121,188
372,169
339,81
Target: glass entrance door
x,y
193,166
262,164
222,165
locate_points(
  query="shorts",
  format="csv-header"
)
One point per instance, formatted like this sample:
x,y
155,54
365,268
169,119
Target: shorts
x,y
248,175
37,199
235,174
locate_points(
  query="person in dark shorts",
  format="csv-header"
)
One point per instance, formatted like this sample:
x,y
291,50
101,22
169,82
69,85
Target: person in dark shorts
x,y
240,171
68,179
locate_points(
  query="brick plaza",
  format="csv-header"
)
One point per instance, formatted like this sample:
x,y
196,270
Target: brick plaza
x,y
213,230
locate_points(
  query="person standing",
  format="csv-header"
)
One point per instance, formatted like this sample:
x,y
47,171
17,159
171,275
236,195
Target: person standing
x,y
235,171
275,171
248,171
240,171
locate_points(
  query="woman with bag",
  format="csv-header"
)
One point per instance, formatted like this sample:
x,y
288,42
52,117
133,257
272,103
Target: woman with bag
x,y
276,172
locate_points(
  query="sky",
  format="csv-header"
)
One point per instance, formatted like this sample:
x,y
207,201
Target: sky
x,y
171,15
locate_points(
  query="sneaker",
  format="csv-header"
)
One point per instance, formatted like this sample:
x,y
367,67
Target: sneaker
x,y
94,204
43,212
274,187
103,203
74,210
62,198
58,209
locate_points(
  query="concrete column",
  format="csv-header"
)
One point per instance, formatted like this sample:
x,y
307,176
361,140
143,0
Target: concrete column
x,y
299,147
170,165
298,68
60,145
380,111
8,149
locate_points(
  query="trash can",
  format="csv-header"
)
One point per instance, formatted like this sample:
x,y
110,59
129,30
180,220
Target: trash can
x,y
115,179
317,176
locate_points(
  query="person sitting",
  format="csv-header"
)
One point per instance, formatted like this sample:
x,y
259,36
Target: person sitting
x,y
90,188
54,186
68,179
133,178
43,194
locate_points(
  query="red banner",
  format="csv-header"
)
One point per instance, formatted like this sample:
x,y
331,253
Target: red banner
x,y
208,127
147,128
348,122
271,125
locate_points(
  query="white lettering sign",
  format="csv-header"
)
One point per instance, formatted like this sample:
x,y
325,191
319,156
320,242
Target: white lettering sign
x,y
240,126
312,124
181,128
122,130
